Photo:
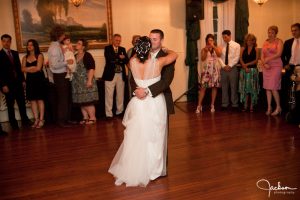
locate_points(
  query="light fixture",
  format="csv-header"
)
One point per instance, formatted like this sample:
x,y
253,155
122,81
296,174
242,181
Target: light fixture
x,y
260,2
76,3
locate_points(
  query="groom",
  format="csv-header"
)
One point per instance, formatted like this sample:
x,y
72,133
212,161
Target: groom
x,y
167,74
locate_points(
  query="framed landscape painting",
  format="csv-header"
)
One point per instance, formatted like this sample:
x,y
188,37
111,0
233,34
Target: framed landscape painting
x,y
35,18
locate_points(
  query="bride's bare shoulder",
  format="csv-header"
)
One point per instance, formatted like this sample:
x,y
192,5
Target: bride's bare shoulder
x,y
132,61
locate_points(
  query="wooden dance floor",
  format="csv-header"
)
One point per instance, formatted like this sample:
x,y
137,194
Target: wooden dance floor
x,y
218,156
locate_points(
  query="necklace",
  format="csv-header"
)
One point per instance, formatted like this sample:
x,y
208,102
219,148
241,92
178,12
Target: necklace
x,y
80,56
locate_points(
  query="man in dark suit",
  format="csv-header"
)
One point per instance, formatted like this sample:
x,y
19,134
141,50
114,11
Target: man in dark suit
x,y
13,82
290,57
167,75
114,75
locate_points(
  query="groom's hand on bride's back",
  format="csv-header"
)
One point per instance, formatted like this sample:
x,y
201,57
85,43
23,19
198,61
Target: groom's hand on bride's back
x,y
140,93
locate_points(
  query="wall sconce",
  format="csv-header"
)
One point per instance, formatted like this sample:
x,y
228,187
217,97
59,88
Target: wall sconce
x,y
260,2
76,3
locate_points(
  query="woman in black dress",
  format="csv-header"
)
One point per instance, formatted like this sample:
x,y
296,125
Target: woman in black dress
x,y
32,64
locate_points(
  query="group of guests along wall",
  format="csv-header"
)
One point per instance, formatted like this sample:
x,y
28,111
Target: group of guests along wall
x,y
73,75
236,69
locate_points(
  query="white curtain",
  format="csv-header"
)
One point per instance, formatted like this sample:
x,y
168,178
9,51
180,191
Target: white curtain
x,y
226,20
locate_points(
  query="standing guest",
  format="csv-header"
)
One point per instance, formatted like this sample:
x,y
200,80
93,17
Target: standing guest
x,y
210,76
229,72
249,81
290,58
58,67
272,66
13,82
84,87
114,75
32,64
130,53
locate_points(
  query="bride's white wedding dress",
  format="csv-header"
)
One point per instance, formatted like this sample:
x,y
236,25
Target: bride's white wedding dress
x,y
140,157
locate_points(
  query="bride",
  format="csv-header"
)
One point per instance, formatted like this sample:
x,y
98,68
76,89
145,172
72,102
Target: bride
x,y
140,156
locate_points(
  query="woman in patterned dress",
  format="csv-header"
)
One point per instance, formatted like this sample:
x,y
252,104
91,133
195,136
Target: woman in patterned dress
x,y
210,75
84,87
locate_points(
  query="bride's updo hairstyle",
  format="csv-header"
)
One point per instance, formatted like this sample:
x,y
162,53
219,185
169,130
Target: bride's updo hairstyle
x,y
142,48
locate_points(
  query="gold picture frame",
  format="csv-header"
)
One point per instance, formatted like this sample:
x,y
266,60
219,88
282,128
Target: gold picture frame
x,y
34,19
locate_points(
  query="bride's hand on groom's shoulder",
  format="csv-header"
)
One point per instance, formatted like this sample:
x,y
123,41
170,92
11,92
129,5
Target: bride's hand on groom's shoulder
x,y
164,49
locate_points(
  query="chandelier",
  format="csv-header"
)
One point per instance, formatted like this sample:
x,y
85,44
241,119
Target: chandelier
x,y
76,3
260,2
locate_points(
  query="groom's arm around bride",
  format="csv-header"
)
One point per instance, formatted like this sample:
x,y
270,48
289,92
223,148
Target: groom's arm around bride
x,y
162,86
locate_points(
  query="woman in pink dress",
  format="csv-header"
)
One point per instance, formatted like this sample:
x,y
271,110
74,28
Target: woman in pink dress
x,y
272,66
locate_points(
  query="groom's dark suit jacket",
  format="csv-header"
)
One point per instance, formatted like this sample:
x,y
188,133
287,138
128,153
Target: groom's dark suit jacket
x,y
111,59
287,51
167,75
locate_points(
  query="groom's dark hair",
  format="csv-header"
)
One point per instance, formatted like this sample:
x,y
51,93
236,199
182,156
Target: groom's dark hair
x,y
160,32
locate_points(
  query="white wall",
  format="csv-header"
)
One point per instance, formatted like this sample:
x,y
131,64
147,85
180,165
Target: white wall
x,y
281,13
132,17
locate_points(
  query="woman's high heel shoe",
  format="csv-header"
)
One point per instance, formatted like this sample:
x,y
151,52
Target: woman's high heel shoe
x,y
40,124
36,122
90,121
84,121
199,109
212,108
269,111
276,112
